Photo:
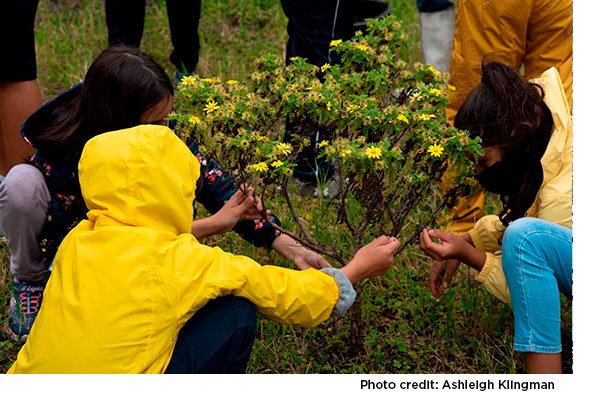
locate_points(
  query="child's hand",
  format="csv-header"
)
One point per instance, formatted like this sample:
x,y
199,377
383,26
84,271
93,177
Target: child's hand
x,y
372,260
440,276
451,246
240,207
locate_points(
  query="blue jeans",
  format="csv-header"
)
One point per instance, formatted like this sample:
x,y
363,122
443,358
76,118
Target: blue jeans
x,y
217,339
537,263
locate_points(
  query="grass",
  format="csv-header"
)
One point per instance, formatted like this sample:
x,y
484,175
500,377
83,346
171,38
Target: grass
x,y
407,330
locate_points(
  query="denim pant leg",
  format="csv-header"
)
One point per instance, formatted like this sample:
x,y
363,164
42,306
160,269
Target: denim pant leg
x,y
24,201
537,263
217,339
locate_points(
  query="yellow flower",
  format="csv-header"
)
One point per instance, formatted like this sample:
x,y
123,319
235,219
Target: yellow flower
x,y
328,106
260,167
277,164
194,120
188,80
351,107
244,144
294,58
426,117
373,152
288,172
325,67
283,149
362,47
432,69
232,82
211,106
345,152
323,143
335,43
379,165
451,88
435,150
435,92
402,117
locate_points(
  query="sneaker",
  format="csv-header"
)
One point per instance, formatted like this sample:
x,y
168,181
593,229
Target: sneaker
x,y
25,304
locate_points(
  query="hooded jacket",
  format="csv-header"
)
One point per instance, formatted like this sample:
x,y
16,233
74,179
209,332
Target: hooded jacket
x,y
127,279
67,208
554,199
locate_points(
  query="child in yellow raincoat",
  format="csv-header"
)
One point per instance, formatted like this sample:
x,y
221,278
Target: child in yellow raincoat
x,y
127,279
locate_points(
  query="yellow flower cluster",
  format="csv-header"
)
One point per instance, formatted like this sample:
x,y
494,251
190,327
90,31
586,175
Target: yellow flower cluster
x,y
188,81
194,120
435,150
435,92
259,167
211,106
402,117
373,152
335,43
426,117
283,149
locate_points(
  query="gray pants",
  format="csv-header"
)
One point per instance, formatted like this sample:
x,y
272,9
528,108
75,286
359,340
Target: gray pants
x,y
24,202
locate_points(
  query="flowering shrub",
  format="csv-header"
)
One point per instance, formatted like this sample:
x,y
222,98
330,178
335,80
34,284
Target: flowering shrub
x,y
381,123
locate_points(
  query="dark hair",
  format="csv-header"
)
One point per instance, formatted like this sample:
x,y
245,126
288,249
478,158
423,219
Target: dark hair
x,y
121,84
507,111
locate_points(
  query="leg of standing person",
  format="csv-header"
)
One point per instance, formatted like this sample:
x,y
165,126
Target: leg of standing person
x,y
19,92
184,19
24,200
537,262
125,22
436,26
550,41
312,25
218,338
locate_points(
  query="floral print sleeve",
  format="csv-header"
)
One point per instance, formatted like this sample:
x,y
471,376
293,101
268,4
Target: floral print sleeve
x,y
214,188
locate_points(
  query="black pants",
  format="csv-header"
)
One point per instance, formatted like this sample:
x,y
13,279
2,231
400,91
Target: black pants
x,y
312,25
125,21
217,339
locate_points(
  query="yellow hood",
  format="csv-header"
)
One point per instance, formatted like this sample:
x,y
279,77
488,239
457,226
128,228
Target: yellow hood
x,y
120,173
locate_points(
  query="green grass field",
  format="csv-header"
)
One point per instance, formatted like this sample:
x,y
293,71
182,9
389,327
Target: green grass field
x,y
408,331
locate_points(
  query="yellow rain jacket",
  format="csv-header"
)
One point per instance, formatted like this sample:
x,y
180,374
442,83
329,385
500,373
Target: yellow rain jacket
x,y
127,279
554,200
535,34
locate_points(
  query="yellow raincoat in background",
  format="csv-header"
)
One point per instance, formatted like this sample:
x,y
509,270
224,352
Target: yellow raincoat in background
x,y
128,278
535,34
554,200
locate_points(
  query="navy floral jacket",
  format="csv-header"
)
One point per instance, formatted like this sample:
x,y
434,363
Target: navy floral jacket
x,y
67,207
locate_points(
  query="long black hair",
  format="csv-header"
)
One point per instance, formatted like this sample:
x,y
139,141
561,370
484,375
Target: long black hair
x,y
507,111
121,84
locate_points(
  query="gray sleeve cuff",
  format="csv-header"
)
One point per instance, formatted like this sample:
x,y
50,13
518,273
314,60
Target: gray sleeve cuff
x,y
347,294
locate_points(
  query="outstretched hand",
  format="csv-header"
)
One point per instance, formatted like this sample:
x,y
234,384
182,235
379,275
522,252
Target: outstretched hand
x,y
241,206
373,259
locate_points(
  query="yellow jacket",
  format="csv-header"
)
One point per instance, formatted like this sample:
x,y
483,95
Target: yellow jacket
x,y
126,279
535,34
554,200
